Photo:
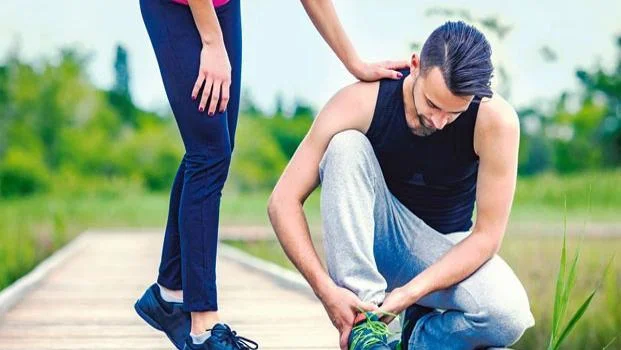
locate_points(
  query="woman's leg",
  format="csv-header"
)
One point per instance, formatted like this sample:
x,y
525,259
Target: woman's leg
x,y
169,275
207,142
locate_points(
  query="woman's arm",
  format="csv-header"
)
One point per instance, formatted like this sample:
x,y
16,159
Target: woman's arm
x,y
206,22
215,68
324,17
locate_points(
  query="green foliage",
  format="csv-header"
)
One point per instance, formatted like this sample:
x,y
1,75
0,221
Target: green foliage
x,y
257,160
22,173
119,96
121,73
265,145
54,121
580,130
63,125
152,153
564,284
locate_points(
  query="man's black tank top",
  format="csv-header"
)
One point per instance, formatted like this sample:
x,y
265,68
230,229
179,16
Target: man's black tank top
x,y
434,176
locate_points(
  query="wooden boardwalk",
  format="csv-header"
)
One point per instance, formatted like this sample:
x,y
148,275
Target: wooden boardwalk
x,y
87,302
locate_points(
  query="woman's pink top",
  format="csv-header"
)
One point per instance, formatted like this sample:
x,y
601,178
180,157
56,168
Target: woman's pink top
x,y
216,3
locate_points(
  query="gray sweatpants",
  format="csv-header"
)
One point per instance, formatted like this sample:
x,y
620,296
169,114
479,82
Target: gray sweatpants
x,y
374,244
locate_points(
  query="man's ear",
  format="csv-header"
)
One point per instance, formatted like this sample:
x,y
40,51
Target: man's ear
x,y
414,64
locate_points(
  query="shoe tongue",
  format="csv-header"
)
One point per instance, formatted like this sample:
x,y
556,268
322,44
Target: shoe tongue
x,y
221,331
219,326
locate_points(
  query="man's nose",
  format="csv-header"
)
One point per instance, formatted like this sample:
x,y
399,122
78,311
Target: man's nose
x,y
439,121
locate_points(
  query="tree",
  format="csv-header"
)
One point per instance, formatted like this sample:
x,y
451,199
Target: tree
x,y
603,86
121,73
247,105
120,96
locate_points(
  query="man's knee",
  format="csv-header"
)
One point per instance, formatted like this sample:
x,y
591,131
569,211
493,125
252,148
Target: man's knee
x,y
503,324
346,148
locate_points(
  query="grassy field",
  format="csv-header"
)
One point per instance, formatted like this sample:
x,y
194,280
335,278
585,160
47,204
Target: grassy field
x,y
32,228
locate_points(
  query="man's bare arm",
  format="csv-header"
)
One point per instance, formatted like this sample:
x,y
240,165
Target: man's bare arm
x,y
350,108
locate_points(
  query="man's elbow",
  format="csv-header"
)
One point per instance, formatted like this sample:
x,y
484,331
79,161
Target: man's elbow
x,y
494,243
489,244
276,203
272,206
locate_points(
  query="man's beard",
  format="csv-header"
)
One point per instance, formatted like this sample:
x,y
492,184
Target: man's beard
x,y
422,129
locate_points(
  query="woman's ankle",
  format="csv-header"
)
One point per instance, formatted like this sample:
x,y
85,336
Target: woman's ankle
x,y
171,295
203,320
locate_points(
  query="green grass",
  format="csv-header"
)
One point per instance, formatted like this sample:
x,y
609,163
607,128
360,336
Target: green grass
x,y
551,190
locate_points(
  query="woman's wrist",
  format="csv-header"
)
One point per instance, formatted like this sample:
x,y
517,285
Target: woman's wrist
x,y
353,65
215,41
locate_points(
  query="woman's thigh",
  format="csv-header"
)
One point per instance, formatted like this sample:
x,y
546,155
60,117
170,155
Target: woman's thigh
x,y
177,46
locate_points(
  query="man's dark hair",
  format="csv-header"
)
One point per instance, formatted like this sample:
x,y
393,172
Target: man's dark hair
x,y
463,55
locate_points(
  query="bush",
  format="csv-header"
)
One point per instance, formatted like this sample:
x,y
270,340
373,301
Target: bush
x,y
257,159
160,172
22,173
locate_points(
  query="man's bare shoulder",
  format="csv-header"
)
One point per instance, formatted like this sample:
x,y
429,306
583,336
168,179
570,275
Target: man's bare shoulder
x,y
352,107
496,120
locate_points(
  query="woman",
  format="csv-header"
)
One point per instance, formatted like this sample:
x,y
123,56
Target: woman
x,y
198,48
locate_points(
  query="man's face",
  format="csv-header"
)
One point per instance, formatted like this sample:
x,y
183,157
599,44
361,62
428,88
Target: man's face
x,y
436,106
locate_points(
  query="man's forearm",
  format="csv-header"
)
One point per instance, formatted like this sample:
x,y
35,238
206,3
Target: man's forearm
x,y
292,230
456,265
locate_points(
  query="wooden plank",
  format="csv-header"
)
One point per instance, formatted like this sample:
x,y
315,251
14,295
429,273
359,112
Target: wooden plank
x,y
87,302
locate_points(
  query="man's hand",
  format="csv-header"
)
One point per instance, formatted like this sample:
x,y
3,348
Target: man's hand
x,y
397,301
342,306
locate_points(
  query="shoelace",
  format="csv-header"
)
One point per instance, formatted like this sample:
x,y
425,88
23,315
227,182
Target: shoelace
x,y
230,336
376,334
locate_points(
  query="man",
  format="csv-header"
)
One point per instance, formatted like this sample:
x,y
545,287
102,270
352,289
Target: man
x,y
402,164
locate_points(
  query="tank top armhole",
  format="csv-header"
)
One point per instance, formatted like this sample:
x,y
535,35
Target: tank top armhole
x,y
379,105
477,103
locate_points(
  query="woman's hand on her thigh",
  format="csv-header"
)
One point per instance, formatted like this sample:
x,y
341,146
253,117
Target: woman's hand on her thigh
x,y
215,74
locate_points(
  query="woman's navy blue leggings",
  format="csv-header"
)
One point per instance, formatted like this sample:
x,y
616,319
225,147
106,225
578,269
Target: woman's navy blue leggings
x,y
189,252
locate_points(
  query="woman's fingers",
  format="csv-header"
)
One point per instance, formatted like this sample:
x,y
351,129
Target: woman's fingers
x,y
206,93
392,74
197,85
396,64
226,90
213,92
215,95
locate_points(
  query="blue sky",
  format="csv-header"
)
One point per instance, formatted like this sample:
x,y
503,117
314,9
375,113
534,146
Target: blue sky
x,y
284,54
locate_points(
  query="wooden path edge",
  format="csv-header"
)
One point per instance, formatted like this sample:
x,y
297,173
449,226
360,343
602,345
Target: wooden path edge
x,y
17,290
284,277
